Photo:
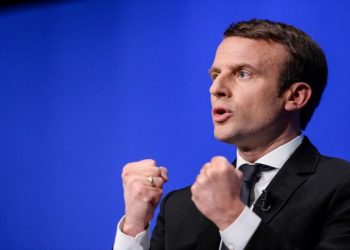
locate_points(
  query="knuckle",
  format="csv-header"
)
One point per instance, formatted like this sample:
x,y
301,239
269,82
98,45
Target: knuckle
x,y
194,189
163,170
218,159
148,162
127,169
206,166
160,183
199,180
156,172
128,166
124,172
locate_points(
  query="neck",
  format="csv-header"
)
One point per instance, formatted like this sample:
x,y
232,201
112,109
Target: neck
x,y
252,154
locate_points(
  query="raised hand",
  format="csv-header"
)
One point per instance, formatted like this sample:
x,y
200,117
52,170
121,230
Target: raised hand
x,y
143,188
216,192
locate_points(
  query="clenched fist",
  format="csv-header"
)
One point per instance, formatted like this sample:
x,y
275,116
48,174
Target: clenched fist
x,y
216,192
143,188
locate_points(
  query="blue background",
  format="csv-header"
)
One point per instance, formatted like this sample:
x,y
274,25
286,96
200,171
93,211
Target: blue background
x,y
87,86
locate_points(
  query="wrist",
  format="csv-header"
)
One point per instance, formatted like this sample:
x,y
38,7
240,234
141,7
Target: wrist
x,y
230,216
131,228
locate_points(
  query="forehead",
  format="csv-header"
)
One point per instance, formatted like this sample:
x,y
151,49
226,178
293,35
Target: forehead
x,y
257,53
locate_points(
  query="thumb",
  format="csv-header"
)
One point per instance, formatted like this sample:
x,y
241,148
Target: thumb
x,y
240,175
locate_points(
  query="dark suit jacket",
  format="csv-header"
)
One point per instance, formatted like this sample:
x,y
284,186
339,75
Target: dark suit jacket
x,y
310,209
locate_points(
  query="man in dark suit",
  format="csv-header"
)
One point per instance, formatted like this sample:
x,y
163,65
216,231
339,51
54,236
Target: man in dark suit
x,y
268,78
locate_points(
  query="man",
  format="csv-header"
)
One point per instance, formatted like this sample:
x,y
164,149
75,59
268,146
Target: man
x,y
268,78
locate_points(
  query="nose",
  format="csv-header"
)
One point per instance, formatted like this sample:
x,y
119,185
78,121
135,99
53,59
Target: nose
x,y
219,88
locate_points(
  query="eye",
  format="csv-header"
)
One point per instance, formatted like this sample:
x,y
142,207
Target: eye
x,y
244,74
213,75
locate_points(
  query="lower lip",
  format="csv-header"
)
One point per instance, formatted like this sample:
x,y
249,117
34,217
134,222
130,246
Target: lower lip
x,y
220,118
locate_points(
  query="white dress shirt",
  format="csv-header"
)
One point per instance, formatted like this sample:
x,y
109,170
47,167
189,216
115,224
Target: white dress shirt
x,y
237,235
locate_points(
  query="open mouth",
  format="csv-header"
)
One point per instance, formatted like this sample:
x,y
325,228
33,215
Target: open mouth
x,y
219,111
221,115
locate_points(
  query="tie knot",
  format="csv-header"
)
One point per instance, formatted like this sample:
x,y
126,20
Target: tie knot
x,y
251,172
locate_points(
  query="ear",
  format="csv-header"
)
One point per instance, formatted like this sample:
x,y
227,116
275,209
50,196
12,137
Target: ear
x,y
297,96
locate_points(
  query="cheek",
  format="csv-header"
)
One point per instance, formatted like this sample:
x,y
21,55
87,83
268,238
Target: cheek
x,y
271,111
252,106
263,110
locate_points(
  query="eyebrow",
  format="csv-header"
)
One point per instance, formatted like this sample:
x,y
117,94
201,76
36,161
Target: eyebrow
x,y
234,67
212,70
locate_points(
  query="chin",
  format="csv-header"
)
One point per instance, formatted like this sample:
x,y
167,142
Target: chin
x,y
224,137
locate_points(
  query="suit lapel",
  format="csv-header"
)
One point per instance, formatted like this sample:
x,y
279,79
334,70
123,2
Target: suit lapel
x,y
292,175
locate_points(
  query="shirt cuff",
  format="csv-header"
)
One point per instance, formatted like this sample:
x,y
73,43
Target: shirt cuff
x,y
125,242
237,235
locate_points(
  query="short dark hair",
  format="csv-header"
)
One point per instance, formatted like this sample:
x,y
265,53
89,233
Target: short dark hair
x,y
306,62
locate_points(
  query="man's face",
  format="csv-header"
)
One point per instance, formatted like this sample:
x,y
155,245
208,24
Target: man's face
x,y
246,107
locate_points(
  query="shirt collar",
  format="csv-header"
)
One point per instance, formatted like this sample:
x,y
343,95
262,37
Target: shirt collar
x,y
277,157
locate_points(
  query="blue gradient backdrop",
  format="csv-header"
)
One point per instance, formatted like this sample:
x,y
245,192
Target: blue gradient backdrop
x,y
86,87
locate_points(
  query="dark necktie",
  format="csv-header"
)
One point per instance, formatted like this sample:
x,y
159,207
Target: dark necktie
x,y
250,177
